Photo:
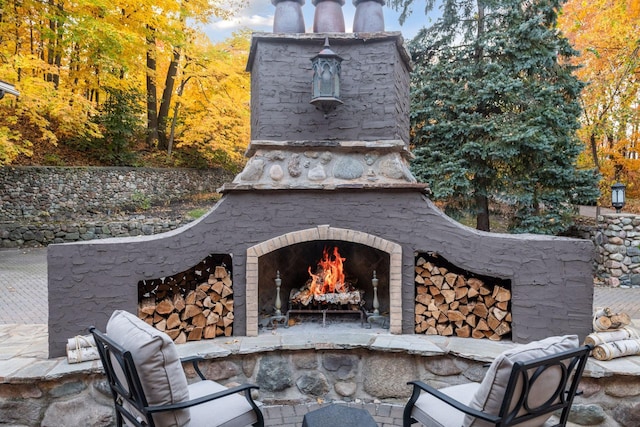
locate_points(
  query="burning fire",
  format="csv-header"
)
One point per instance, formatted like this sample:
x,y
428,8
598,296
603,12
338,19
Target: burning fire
x,y
330,277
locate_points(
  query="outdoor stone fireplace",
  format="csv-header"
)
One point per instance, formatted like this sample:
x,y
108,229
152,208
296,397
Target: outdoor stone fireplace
x,y
316,179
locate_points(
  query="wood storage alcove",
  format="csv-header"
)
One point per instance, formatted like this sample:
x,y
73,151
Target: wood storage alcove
x,y
192,305
453,302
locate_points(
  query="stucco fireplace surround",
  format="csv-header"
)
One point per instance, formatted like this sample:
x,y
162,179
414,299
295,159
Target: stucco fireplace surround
x,y
311,180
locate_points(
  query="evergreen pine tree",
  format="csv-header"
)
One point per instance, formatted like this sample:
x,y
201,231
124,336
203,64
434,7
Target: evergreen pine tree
x,y
494,112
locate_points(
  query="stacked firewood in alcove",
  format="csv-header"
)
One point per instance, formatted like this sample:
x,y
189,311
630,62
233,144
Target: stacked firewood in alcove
x,y
452,304
201,313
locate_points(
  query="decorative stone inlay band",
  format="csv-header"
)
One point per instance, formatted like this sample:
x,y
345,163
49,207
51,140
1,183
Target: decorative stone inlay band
x,y
326,232
324,164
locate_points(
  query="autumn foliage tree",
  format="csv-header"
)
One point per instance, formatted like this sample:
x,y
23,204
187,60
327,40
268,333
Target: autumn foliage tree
x,y
606,32
68,59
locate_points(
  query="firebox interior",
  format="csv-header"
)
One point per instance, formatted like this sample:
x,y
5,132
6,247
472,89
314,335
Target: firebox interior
x,y
294,262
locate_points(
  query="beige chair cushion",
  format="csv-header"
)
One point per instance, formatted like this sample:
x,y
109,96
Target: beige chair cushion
x,y
489,396
230,411
433,412
157,362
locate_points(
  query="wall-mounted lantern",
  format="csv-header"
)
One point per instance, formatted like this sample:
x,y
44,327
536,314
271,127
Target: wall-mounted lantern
x,y
326,79
7,88
617,196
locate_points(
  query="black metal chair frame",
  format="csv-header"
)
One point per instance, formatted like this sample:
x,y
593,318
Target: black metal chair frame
x,y
570,363
133,393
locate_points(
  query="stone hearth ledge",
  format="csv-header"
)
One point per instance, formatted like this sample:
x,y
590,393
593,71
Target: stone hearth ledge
x,y
23,350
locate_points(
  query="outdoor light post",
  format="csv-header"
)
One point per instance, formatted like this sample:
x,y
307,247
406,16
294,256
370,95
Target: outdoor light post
x,y
617,196
326,79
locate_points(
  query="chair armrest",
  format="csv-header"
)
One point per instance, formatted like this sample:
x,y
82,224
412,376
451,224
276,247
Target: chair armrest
x,y
209,397
194,361
420,386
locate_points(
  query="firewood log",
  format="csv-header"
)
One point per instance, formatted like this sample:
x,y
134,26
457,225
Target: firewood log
x,y
475,283
437,281
501,294
451,278
147,306
190,311
209,332
190,299
199,320
449,295
161,325
217,288
178,302
213,318
612,350
455,315
195,334
492,322
464,331
228,305
173,321
226,291
598,338
424,299
460,293
220,272
481,310
502,329
165,307
181,338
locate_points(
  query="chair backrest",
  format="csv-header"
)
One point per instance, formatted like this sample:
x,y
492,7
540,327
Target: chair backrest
x,y
542,386
123,380
147,369
520,383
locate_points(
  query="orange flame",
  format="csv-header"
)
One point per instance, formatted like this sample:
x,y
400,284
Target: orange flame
x,y
330,277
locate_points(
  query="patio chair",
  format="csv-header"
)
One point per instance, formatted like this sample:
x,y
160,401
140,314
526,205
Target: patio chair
x,y
149,386
524,386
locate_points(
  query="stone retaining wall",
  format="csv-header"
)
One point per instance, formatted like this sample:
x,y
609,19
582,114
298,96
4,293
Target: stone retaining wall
x,y
294,377
618,250
50,194
16,235
44,205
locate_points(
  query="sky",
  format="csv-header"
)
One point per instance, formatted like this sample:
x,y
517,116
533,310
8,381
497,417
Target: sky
x,y
258,16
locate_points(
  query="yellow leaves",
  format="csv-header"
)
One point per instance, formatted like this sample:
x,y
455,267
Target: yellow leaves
x,y
606,33
216,112
11,145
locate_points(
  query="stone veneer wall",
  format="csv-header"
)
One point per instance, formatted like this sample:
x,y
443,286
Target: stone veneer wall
x,y
551,277
305,376
618,250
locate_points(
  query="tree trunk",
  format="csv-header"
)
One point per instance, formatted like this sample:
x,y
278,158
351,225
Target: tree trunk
x,y
482,213
52,55
152,103
594,150
482,201
165,102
